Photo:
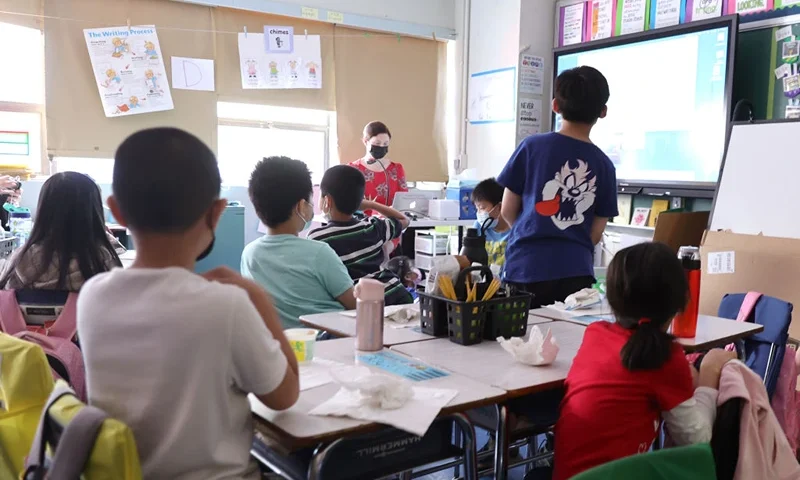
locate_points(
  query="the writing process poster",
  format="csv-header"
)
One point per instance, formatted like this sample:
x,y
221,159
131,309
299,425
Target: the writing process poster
x,y
129,70
302,68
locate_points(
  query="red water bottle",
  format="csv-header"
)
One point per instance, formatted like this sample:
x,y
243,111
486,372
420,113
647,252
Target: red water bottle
x,y
685,324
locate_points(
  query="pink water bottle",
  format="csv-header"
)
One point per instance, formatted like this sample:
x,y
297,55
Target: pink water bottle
x,y
369,315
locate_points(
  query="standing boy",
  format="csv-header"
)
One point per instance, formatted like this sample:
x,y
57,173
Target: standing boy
x,y
560,191
303,276
172,354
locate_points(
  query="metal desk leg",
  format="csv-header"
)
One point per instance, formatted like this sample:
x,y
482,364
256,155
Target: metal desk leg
x,y
470,449
501,444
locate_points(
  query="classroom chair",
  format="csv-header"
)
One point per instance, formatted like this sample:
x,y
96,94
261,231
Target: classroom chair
x,y
693,462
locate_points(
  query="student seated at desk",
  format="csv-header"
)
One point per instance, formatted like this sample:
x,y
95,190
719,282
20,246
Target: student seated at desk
x,y
488,197
630,375
303,276
68,244
168,352
359,242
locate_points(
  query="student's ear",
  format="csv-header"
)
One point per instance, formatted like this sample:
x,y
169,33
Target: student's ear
x,y
115,211
604,111
216,211
555,106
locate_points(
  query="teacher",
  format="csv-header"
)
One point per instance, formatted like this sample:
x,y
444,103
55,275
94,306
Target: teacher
x,y
384,177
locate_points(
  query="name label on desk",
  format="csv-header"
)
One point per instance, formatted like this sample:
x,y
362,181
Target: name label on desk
x,y
401,366
721,263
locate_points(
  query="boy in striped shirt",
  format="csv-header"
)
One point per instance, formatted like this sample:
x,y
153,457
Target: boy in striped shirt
x,y
359,242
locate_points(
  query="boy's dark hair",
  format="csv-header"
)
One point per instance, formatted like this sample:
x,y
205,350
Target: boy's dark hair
x,y
488,191
165,179
376,128
345,184
646,287
70,226
276,185
581,94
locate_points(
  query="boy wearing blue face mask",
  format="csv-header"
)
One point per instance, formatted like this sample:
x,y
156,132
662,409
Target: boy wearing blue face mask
x,y
303,276
487,198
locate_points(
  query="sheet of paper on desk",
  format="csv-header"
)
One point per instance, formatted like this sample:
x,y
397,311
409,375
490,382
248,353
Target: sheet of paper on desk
x,y
414,417
390,311
316,373
400,365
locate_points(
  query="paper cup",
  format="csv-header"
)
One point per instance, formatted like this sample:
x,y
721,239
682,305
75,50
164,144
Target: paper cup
x,y
302,341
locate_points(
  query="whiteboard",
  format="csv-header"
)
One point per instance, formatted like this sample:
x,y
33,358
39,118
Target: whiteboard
x,y
492,96
760,181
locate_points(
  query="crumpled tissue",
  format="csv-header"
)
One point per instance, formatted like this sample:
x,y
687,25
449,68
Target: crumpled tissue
x,y
384,399
586,298
540,349
401,314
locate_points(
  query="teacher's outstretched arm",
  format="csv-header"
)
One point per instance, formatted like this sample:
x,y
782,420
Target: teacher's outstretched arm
x,y
511,207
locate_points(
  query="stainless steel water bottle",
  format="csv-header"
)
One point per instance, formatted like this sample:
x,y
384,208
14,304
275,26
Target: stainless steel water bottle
x,y
369,315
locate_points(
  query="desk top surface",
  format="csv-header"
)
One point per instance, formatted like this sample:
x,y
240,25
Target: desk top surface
x,y
341,325
295,428
490,364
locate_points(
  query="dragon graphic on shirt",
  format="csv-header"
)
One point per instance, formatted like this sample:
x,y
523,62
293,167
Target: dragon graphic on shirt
x,y
568,196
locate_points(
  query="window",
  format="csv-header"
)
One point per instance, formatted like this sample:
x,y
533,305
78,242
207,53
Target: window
x,y
22,99
247,133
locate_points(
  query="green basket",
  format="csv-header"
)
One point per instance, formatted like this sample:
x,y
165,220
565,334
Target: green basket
x,y
507,316
462,322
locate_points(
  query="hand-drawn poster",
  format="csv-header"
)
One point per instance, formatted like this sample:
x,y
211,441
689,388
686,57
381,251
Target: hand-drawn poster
x,y
302,68
129,70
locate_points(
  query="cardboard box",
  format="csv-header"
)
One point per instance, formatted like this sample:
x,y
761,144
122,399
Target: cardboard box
x,y
737,263
681,229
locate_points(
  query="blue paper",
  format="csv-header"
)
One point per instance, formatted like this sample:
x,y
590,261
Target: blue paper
x,y
401,366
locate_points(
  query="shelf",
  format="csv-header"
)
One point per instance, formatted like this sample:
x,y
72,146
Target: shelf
x,y
630,227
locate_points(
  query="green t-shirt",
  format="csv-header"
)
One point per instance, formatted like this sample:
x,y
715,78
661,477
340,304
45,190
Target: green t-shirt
x,y
302,276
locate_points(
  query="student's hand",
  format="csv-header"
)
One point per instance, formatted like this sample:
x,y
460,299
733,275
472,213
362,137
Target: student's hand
x,y
367,205
711,366
230,277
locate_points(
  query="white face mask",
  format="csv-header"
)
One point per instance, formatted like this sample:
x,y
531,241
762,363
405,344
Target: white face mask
x,y
485,219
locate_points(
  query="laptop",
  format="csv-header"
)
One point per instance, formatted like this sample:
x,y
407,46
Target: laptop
x,y
415,201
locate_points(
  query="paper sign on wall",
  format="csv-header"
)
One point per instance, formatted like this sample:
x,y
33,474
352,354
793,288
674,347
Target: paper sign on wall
x,y
631,16
571,24
531,75
703,9
721,263
530,117
193,74
665,13
601,19
491,96
129,70
279,39
744,7
261,70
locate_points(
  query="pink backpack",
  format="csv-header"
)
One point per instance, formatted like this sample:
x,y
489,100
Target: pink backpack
x,y
65,358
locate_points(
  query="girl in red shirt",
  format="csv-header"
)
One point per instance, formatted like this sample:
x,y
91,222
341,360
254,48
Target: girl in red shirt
x,y
630,375
384,177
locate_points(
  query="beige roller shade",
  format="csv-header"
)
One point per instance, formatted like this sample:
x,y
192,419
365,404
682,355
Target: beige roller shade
x,y
229,81
76,124
25,13
401,83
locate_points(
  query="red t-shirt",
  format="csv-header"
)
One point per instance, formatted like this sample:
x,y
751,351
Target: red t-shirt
x,y
609,412
376,182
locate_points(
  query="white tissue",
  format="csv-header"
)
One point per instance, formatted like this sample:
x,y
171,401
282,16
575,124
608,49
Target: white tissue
x,y
373,390
401,314
538,350
585,298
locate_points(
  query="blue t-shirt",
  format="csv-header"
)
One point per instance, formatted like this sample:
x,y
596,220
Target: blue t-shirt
x,y
564,184
302,276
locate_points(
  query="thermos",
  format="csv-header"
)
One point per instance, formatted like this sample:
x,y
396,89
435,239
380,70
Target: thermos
x,y
475,247
369,315
685,324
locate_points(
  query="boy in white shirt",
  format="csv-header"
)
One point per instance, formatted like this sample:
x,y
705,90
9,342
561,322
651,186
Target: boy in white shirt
x,y
170,353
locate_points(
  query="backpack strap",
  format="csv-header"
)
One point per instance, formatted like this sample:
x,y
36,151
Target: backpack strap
x,y
34,464
76,444
11,319
748,305
66,325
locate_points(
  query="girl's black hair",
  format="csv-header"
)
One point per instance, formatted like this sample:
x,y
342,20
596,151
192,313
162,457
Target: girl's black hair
x,y
70,225
646,287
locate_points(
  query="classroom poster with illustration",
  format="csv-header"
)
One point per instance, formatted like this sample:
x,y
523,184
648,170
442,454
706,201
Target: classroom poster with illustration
x,y
129,70
302,68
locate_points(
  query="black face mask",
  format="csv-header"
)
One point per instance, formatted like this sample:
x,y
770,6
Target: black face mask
x,y
377,152
210,246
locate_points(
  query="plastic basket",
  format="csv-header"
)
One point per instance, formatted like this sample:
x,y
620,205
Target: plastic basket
x,y
462,322
507,316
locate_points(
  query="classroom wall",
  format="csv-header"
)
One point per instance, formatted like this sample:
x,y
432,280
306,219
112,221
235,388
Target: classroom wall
x,y
493,43
440,13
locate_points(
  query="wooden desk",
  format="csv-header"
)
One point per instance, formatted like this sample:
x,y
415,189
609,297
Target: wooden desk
x,y
294,429
715,332
488,363
343,326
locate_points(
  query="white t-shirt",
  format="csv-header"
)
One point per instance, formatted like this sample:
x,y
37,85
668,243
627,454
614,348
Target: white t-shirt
x,y
173,356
